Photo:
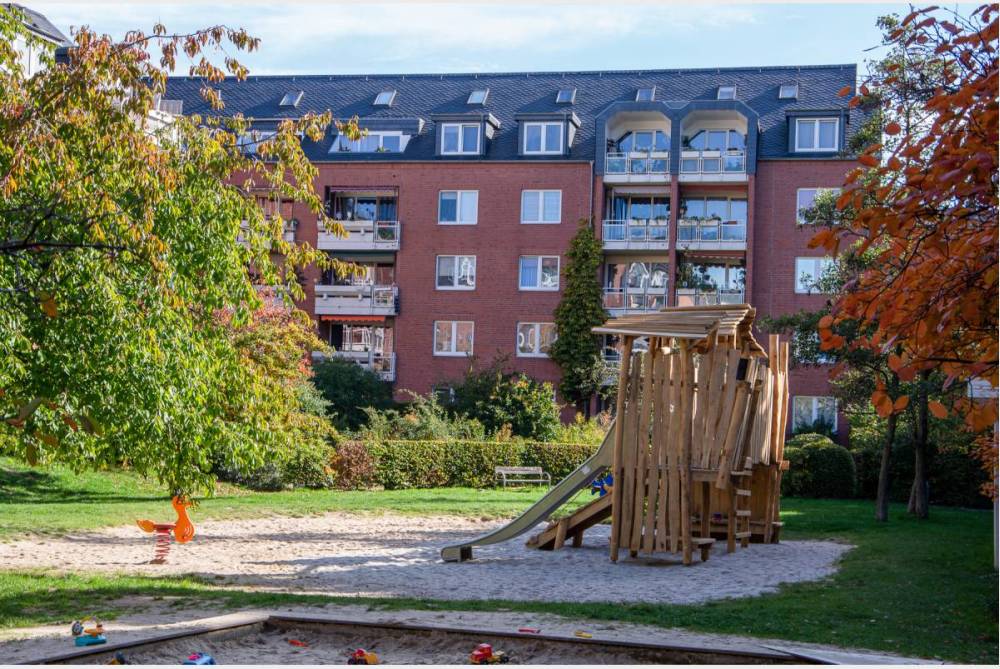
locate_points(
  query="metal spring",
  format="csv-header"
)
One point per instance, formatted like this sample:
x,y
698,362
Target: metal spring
x,y
163,541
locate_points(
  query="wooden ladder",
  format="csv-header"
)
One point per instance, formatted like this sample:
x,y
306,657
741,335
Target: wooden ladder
x,y
738,522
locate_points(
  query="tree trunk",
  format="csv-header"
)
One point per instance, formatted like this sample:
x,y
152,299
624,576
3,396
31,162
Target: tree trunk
x,y
882,499
920,493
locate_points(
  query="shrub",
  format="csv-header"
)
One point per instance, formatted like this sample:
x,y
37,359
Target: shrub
x,y
350,389
497,398
353,466
583,431
818,468
430,464
422,419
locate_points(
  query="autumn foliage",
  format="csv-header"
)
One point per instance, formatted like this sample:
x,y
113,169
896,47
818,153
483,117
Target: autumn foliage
x,y
925,199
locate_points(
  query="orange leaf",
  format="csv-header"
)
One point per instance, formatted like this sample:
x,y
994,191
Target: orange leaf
x,y
892,128
868,161
900,403
49,307
883,405
843,92
937,409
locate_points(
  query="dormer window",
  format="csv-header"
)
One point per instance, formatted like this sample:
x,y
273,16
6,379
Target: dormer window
x,y
645,94
817,134
566,96
788,92
460,138
726,93
478,97
291,99
543,138
385,99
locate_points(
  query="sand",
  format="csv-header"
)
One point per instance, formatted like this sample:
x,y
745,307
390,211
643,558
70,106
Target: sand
x,y
398,556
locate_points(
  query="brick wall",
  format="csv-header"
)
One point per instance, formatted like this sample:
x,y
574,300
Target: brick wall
x,y
496,305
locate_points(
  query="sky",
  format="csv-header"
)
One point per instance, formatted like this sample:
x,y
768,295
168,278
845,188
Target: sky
x,y
409,37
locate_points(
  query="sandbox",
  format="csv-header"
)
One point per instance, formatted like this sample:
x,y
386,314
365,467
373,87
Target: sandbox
x,y
263,638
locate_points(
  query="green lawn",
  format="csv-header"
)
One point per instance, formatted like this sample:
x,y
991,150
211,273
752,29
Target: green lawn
x,y
917,588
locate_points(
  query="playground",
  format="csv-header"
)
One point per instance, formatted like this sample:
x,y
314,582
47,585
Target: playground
x,y
684,491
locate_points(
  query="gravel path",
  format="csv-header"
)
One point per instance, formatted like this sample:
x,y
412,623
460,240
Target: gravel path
x,y
397,556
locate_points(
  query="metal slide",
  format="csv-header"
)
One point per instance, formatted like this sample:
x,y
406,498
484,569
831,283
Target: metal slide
x,y
558,495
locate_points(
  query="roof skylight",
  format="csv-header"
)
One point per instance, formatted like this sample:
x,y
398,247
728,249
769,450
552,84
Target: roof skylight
x,y
291,99
645,94
478,97
385,98
566,96
788,92
726,93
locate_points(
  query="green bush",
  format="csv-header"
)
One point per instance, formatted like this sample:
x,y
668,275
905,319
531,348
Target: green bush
x,y
350,389
503,401
421,419
818,468
397,465
353,466
583,431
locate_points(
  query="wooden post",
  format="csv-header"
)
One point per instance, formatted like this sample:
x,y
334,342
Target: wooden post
x,y
731,519
687,397
673,450
616,492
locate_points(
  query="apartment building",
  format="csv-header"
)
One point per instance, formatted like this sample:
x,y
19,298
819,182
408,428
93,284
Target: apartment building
x,y
462,199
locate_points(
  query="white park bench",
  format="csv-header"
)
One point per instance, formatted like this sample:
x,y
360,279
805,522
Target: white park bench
x,y
521,475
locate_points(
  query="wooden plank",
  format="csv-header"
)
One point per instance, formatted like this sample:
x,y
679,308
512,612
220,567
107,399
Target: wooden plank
x,y
616,466
706,509
653,470
628,481
641,463
701,400
673,450
736,421
687,397
731,520
726,400
718,382
561,527
662,470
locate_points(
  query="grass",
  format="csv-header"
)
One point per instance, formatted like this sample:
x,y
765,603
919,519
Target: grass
x,y
923,588
56,500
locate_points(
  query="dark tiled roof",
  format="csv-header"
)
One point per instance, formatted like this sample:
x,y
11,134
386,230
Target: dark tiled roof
x,y
41,25
424,95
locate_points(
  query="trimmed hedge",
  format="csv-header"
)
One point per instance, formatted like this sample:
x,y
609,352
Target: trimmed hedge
x,y
396,465
818,468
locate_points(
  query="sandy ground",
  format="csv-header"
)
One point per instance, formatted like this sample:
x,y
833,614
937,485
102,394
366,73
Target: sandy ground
x,y
398,556
155,617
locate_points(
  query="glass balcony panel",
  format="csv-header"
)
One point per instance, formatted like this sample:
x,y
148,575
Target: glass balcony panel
x,y
614,232
637,231
709,232
689,165
616,163
658,165
734,233
735,163
657,233
614,299
711,164
687,233
655,302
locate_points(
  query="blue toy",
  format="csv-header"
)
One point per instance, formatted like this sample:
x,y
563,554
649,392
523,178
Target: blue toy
x,y
602,485
88,636
199,658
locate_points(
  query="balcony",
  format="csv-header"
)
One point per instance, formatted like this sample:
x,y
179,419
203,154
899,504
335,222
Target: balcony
x,y
712,234
637,167
383,364
622,301
713,165
693,297
356,300
361,236
636,235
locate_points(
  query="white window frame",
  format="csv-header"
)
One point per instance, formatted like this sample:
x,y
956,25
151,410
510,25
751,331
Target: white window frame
x,y
456,260
540,194
816,148
454,353
382,101
462,150
539,287
726,87
536,327
818,190
545,128
485,94
822,262
815,408
381,134
460,196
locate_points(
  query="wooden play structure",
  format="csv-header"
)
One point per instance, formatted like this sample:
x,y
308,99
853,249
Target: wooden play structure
x,y
698,439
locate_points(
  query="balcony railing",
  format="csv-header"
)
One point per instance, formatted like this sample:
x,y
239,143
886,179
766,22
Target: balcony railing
x,y
361,236
691,297
287,232
636,234
722,165
619,301
359,300
383,364
637,166
711,234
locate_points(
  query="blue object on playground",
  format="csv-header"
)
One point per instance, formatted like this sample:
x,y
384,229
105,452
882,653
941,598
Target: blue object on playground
x,y
199,658
601,485
90,640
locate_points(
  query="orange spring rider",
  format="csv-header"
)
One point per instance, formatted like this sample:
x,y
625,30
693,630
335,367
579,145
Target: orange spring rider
x,y
181,531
